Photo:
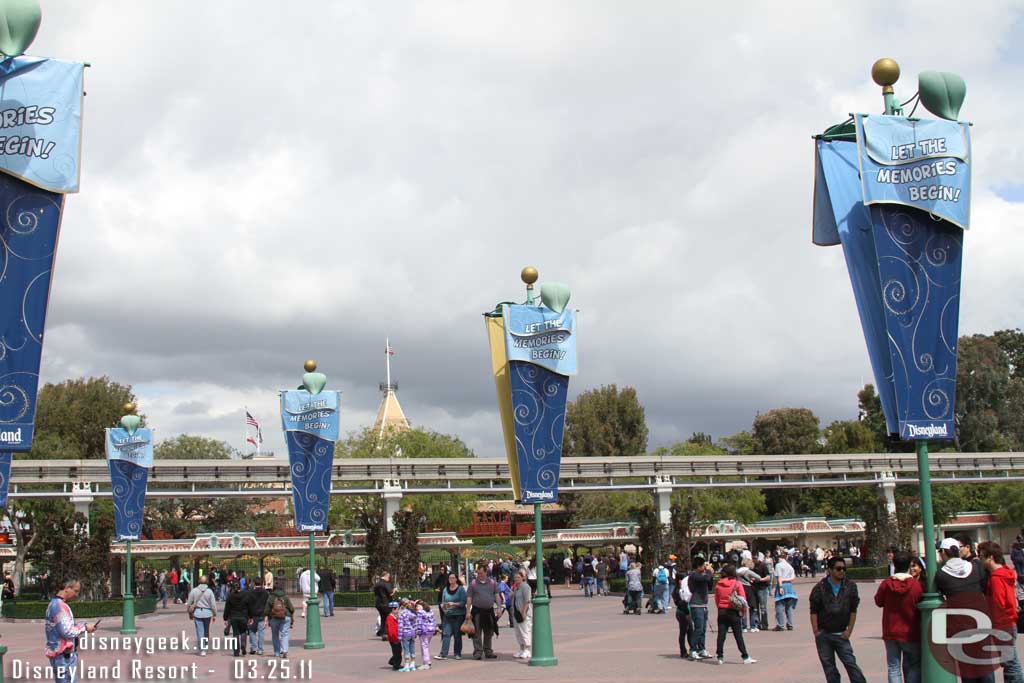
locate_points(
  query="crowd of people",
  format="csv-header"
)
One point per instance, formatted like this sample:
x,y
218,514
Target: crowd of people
x,y
475,609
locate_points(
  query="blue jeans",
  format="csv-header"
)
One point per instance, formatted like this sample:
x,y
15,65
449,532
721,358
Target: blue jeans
x,y
279,634
202,633
65,669
903,661
588,586
762,609
163,596
784,612
660,596
829,646
256,637
450,627
1012,670
699,620
328,603
409,648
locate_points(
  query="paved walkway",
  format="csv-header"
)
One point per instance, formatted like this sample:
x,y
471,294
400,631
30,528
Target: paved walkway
x,y
594,642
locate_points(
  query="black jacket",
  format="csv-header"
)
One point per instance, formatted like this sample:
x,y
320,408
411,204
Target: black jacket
x,y
257,601
834,610
327,580
236,606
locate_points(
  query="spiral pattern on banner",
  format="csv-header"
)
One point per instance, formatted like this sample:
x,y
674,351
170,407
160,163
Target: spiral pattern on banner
x,y
14,402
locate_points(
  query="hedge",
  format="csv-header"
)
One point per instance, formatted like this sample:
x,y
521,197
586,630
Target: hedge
x,y
866,573
366,598
83,609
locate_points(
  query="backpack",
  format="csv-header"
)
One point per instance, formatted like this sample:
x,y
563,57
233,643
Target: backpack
x,y
684,589
662,575
278,609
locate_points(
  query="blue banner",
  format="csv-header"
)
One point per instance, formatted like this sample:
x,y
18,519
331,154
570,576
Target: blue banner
x,y
905,269
41,121
5,477
924,164
29,227
311,426
538,405
316,415
129,457
136,448
539,335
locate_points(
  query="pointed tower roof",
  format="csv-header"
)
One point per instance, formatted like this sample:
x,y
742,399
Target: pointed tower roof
x,y
389,415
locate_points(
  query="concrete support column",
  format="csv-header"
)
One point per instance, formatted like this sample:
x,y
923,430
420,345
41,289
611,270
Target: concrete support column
x,y
663,499
82,498
889,491
392,501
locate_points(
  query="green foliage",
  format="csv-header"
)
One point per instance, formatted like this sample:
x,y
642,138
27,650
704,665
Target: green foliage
x,y
1007,501
76,411
84,609
784,431
694,509
851,436
449,512
605,422
605,506
983,382
740,443
189,447
185,517
1012,344
867,573
366,598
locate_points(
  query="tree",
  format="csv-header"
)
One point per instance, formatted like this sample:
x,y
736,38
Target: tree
x,y
983,380
740,443
694,509
784,431
1007,501
605,506
851,436
76,411
185,517
1012,344
870,413
450,512
605,422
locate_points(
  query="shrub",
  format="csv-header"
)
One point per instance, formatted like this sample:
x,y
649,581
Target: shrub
x,y
83,609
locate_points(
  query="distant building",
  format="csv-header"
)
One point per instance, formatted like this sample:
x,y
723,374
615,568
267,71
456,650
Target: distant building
x,y
389,416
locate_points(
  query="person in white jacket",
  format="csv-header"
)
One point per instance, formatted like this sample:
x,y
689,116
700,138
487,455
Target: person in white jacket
x,y
305,588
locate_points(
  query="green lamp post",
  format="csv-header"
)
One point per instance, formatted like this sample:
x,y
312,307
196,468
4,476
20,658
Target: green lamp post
x,y
313,382
130,421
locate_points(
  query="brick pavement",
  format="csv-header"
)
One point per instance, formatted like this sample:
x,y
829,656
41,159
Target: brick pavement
x,y
594,642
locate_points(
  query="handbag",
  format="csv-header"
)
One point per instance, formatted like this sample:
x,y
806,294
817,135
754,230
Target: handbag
x,y
735,601
468,629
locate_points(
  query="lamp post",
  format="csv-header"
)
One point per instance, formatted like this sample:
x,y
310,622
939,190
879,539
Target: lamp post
x,y
130,421
901,227
543,646
314,639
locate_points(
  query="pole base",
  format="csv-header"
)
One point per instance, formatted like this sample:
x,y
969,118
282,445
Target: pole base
x,y
128,617
545,661
313,638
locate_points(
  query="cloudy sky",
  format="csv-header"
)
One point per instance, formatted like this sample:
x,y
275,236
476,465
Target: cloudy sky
x,y
265,182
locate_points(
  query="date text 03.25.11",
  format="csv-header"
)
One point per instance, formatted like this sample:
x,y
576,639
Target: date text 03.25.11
x,y
272,669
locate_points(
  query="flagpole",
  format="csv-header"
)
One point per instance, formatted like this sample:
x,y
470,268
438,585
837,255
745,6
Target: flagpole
x,y
245,441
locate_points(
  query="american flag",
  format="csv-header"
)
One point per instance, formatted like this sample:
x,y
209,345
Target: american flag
x,y
251,440
251,421
389,351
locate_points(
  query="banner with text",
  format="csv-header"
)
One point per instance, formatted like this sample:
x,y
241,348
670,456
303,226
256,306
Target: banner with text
x,y
41,121
541,350
129,457
904,265
311,426
924,164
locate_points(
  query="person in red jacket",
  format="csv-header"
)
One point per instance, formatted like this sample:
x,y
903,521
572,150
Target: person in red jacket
x,y
729,615
898,596
1002,603
391,629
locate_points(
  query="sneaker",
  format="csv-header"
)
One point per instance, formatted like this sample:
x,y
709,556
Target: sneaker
x,y
694,656
457,657
749,660
518,655
440,657
789,628
527,655
755,630
705,654
746,630
721,661
778,628
491,655
423,668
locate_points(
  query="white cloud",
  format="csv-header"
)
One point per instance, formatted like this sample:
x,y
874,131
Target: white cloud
x,y
264,183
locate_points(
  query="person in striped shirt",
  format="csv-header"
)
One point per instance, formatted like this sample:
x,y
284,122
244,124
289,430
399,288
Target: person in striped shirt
x,y
62,632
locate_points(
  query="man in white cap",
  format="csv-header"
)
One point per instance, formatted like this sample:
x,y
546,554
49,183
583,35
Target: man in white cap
x,y
956,574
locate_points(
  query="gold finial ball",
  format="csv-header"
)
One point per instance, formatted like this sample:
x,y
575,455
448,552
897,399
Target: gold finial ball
x,y
310,365
128,408
885,71
529,275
